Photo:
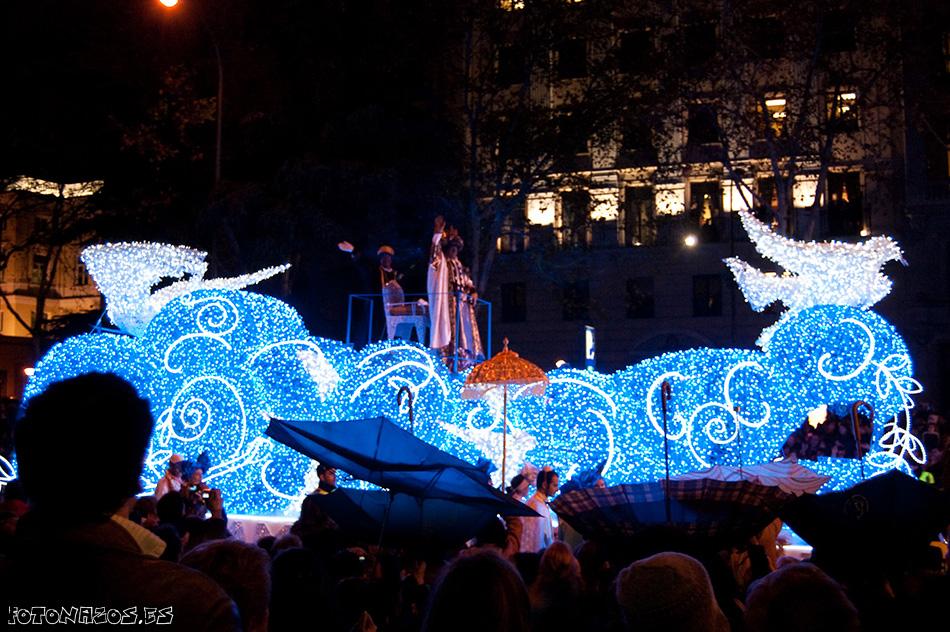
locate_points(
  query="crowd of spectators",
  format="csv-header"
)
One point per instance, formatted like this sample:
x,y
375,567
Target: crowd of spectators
x,y
73,539
833,436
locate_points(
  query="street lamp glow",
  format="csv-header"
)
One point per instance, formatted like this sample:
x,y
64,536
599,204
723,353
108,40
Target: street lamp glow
x,y
169,3
690,240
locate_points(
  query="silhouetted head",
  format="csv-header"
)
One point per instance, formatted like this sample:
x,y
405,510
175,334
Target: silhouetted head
x,y
799,597
478,592
95,415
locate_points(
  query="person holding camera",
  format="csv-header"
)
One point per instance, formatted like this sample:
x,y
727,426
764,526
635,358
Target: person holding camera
x,y
198,497
171,482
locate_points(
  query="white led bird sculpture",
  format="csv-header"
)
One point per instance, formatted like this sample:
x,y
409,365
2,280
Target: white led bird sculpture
x,y
126,274
816,273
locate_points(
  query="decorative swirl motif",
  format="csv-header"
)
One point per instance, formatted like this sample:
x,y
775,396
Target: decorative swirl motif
x,y
217,314
182,340
427,367
898,444
861,366
651,411
722,428
216,318
6,472
611,404
726,400
611,448
293,499
314,362
195,414
730,405
257,451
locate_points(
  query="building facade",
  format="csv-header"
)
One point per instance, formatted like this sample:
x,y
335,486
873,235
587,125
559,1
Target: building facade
x,y
41,272
824,128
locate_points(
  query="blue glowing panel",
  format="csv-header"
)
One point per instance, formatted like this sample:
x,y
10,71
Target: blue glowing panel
x,y
217,364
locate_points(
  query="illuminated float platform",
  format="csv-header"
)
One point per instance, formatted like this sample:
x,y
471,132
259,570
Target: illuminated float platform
x,y
217,362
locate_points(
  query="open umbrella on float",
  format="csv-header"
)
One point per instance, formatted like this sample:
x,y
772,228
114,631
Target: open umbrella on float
x,y
378,451
403,519
503,370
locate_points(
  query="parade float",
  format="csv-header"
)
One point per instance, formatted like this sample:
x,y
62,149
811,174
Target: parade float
x,y
218,362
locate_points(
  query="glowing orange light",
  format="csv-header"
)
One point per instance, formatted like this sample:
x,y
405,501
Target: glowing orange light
x,y
169,3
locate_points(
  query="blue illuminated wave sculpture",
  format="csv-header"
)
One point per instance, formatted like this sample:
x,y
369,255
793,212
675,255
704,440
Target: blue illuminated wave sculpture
x,y
216,365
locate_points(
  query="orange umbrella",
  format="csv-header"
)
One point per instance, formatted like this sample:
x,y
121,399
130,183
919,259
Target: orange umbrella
x,y
504,370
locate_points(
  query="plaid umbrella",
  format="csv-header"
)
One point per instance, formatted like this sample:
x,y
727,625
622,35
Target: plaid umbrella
x,y
788,476
724,511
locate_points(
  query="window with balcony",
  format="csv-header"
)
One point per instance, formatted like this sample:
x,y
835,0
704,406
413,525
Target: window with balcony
x,y
38,268
576,300
705,209
766,37
845,207
841,110
571,59
640,303
635,53
513,236
766,203
82,275
702,124
638,216
572,137
636,141
707,295
514,305
838,31
575,219
700,40
511,65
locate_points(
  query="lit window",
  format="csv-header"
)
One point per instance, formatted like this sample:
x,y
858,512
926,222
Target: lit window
x,y
775,109
511,5
842,110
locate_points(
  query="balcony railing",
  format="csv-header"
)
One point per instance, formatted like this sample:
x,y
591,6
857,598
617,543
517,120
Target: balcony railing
x,y
368,310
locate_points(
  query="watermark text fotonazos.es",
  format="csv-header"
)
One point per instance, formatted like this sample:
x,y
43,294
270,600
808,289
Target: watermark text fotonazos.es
x,y
88,615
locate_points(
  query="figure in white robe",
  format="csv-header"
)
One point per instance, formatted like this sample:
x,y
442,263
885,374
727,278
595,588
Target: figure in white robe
x,y
452,297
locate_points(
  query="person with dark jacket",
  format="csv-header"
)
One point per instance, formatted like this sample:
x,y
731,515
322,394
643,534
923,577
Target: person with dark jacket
x,y
77,556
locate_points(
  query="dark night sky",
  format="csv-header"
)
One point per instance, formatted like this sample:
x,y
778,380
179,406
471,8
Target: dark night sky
x,y
334,125
77,69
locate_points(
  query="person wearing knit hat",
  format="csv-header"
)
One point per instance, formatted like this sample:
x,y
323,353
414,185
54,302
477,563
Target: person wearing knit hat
x,y
172,481
668,591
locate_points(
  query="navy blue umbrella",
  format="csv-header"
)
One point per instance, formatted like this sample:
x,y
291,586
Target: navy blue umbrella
x,y
892,509
378,451
403,519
